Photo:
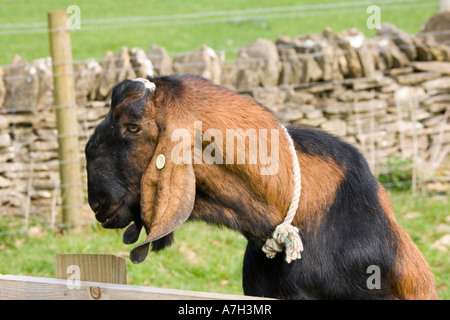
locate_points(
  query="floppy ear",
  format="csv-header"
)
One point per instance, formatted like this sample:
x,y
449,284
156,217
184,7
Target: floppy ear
x,y
167,196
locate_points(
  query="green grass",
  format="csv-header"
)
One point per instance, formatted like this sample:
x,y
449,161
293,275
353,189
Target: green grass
x,y
229,35
203,257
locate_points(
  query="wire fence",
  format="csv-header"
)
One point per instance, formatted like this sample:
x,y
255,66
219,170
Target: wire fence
x,y
400,135
294,11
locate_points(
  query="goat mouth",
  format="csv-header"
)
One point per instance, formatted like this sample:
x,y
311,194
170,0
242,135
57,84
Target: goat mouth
x,y
105,221
109,222
113,218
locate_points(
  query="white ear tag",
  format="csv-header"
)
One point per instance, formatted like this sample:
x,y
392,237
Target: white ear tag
x,y
160,161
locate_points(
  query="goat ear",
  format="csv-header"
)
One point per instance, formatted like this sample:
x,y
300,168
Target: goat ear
x,y
167,196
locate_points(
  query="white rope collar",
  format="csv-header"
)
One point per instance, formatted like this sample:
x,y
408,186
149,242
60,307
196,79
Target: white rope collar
x,y
286,236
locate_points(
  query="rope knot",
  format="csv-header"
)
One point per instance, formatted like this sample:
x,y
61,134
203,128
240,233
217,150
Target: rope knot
x,y
285,237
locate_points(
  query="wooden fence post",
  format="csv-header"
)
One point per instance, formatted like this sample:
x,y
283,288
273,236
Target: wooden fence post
x,y
444,5
66,119
92,267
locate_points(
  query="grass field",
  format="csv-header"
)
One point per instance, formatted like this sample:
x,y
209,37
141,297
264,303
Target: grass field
x,y
187,34
204,257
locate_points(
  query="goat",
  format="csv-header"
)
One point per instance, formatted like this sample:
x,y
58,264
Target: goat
x,y
344,217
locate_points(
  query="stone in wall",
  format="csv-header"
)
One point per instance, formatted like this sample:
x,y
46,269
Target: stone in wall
x,y
228,75
114,70
310,58
402,39
291,114
160,59
391,54
312,117
22,85
107,77
5,138
436,37
92,113
433,66
204,62
257,64
4,124
291,66
441,85
349,41
44,72
300,97
337,127
123,66
311,70
413,146
2,88
87,75
427,52
273,98
141,64
352,95
437,27
415,78
330,60
368,55
338,57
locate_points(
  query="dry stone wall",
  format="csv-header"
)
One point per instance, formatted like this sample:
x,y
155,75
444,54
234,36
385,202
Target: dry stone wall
x,y
388,95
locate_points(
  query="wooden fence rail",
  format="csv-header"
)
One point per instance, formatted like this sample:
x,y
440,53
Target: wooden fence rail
x,y
34,288
95,277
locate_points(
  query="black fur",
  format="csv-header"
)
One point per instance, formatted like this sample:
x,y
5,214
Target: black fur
x,y
354,234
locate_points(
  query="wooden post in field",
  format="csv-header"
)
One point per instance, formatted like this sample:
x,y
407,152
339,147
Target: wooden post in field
x,y
91,267
444,5
66,119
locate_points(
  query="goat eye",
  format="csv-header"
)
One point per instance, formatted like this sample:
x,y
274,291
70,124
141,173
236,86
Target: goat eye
x,y
132,128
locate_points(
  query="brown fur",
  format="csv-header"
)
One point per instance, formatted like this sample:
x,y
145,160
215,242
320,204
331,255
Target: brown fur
x,y
320,181
413,278
229,182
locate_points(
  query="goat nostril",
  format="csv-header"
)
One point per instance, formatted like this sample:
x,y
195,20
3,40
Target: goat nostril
x,y
95,205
